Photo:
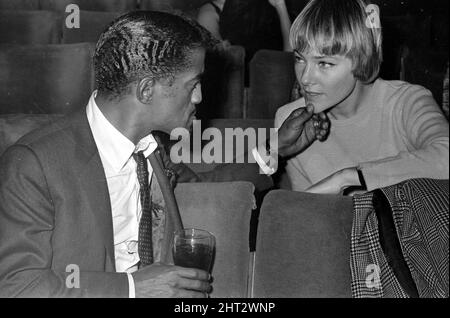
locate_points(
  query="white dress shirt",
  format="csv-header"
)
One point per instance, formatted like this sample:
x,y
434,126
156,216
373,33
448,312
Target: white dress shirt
x,y
123,186
120,169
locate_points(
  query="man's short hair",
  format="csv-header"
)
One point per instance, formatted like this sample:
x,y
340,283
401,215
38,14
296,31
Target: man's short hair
x,y
145,43
340,27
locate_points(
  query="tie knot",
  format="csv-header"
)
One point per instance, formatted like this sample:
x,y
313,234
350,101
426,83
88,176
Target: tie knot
x,y
138,156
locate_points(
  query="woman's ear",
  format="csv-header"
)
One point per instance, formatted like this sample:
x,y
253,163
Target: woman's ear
x,y
144,90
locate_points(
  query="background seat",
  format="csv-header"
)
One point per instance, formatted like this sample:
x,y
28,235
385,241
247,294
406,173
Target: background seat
x,y
303,246
14,126
92,24
224,210
19,4
93,5
272,78
30,27
45,78
161,5
223,84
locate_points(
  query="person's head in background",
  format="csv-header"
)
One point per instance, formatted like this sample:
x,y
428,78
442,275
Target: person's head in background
x,y
338,54
147,70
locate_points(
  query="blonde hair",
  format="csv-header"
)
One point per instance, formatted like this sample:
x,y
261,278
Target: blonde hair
x,y
340,27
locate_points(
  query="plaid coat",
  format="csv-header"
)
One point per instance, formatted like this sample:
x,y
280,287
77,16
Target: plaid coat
x,y
420,212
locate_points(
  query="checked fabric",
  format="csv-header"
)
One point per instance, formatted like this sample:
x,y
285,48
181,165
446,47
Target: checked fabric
x,y
420,211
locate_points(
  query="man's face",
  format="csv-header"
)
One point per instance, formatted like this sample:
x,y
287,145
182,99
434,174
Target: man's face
x,y
325,81
176,103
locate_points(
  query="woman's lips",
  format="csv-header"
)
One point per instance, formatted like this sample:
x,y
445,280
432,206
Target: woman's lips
x,y
312,94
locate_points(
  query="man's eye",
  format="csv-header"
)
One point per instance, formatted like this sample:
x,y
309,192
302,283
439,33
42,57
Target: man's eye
x,y
197,84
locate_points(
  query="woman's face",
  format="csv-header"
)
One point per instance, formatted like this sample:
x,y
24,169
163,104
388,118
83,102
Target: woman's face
x,y
325,81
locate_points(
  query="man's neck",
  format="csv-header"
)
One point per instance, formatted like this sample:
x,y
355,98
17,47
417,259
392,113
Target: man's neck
x,y
119,112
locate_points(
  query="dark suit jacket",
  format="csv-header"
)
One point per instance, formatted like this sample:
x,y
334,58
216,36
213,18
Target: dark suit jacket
x,y
55,211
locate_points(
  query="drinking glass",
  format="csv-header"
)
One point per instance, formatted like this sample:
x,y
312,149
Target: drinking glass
x,y
193,248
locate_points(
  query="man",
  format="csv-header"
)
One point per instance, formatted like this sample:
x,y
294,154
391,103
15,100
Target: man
x,y
75,192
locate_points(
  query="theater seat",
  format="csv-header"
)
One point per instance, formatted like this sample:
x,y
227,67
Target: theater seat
x,y
45,78
92,24
223,84
223,209
19,4
160,5
30,27
303,246
272,78
93,5
14,126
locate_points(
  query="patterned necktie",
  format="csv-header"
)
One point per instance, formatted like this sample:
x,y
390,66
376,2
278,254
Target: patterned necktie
x,y
145,245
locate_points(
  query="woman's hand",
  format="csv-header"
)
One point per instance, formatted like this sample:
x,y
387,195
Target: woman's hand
x,y
336,183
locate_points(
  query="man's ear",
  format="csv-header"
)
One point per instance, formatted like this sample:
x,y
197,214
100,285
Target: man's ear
x,y
144,90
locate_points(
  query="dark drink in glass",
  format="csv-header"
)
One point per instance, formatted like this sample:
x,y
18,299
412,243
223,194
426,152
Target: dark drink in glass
x,y
193,248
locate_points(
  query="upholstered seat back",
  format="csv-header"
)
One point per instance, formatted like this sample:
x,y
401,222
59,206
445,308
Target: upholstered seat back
x,y
303,246
29,27
272,78
92,5
45,79
223,209
19,5
92,24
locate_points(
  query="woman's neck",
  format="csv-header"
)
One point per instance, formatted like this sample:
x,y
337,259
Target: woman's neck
x,y
353,104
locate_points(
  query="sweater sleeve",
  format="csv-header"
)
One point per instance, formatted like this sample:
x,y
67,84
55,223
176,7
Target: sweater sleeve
x,y
426,132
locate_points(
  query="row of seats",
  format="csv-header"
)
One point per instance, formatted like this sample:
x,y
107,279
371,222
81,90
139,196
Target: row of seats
x,y
314,264
58,78
50,27
100,5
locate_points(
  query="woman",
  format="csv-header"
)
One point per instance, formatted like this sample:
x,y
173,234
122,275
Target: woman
x,y
382,132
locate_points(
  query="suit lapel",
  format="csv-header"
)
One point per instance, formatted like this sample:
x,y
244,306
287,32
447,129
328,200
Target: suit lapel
x,y
92,181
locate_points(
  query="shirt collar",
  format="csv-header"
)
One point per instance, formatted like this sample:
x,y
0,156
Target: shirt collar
x,y
111,143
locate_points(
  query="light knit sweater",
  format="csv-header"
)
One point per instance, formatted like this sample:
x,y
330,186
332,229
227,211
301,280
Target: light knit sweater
x,y
401,134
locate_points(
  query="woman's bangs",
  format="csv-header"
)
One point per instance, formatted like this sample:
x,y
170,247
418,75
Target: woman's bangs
x,y
322,38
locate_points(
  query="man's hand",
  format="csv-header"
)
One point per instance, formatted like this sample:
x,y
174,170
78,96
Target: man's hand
x,y
336,183
300,130
167,281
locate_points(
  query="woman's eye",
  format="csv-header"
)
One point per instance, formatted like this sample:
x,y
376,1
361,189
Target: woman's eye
x,y
299,59
325,64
